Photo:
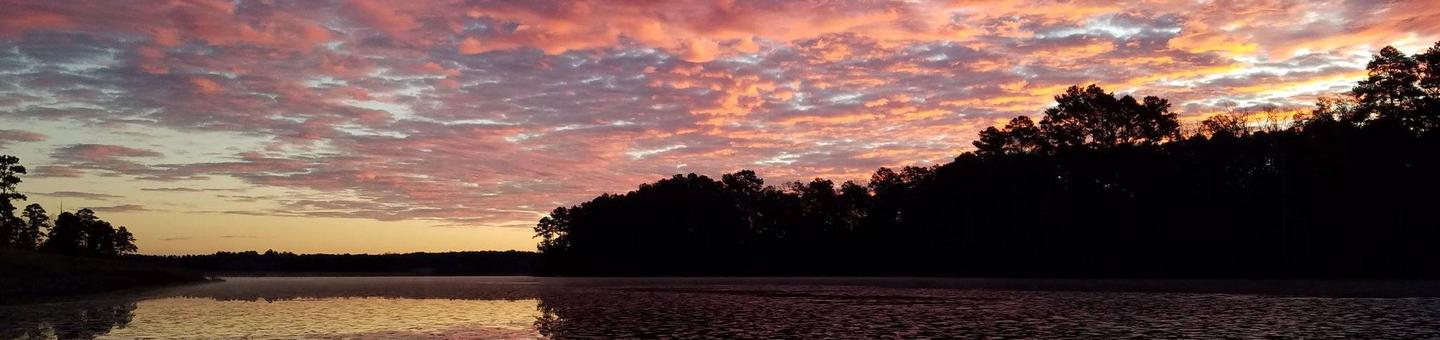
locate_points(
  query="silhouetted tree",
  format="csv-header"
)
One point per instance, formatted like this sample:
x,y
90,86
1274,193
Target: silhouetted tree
x,y
124,242
1427,115
1020,135
35,225
889,191
1225,124
820,208
1091,117
553,231
1331,109
99,234
1429,63
81,233
1390,90
10,225
855,205
67,236
747,190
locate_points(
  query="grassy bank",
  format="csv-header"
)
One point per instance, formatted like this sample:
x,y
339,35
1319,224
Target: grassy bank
x,y
30,276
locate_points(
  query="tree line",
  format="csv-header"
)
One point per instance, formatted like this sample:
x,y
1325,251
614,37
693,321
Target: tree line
x,y
270,261
78,233
1100,185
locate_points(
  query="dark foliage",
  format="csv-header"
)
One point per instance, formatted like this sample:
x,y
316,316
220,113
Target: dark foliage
x,y
1101,186
272,262
81,236
79,233
82,233
10,225
29,276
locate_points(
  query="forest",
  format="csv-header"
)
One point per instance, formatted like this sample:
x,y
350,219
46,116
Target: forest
x,y
79,233
74,253
1099,185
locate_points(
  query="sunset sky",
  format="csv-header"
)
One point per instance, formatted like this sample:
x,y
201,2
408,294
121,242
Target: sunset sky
x,y
397,126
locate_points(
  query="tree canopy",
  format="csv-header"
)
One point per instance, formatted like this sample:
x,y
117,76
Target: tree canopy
x,y
1101,185
79,233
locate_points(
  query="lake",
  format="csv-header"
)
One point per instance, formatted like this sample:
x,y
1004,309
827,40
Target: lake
x,y
525,307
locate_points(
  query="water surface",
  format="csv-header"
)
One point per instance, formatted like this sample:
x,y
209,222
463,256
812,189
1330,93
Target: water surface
x,y
522,308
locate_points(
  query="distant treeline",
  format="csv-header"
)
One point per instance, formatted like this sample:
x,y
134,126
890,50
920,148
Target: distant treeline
x,y
79,233
1100,186
272,262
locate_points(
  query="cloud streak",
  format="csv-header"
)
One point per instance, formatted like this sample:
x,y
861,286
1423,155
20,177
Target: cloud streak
x,y
120,208
78,194
8,137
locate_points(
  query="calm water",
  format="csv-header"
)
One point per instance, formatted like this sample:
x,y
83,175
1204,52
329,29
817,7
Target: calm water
x,y
517,307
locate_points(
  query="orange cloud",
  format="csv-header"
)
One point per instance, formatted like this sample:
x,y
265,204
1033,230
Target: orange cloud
x,y
206,85
471,46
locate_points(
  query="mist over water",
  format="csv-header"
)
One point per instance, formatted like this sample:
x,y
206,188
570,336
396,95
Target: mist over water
x,y
522,307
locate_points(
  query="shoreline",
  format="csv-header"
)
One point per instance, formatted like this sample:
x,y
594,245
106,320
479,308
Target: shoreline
x,y
1280,288
27,276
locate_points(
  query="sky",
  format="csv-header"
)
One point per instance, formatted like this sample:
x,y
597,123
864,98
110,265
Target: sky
x,y
400,126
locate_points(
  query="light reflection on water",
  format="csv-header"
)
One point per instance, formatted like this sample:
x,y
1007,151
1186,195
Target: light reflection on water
x,y
203,318
518,308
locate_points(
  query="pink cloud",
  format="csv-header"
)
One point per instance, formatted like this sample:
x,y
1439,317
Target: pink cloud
x,y
382,16
17,136
101,152
52,171
110,159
